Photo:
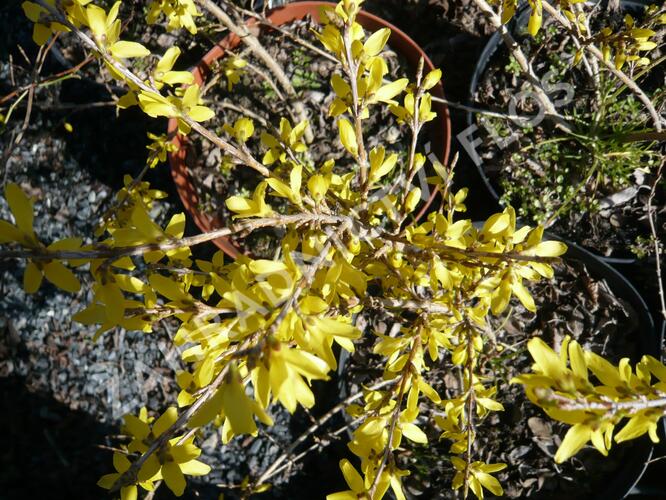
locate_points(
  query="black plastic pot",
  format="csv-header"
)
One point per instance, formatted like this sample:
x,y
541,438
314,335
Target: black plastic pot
x,y
494,43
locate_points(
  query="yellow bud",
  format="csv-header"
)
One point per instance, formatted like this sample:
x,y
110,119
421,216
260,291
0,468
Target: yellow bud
x,y
354,245
412,200
395,259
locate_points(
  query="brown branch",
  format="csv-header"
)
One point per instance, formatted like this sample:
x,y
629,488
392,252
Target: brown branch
x,y
270,471
130,475
109,253
471,401
408,305
525,66
415,127
655,237
46,81
142,85
351,68
634,406
266,22
405,375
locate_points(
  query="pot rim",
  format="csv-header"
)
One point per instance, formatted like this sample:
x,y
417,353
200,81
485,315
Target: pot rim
x,y
401,42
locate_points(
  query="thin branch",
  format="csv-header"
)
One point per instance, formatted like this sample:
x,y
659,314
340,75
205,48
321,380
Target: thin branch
x,y
634,406
407,305
480,111
131,474
142,85
114,253
263,20
415,127
652,216
270,471
47,81
525,66
252,42
352,69
620,75
402,389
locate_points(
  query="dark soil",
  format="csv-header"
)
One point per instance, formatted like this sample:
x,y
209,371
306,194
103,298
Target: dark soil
x,y
606,211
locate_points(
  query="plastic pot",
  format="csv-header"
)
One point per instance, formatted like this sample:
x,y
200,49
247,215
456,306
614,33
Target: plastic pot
x,y
494,44
399,41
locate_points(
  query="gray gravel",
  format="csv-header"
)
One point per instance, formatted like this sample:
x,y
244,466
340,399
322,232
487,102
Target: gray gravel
x,y
122,371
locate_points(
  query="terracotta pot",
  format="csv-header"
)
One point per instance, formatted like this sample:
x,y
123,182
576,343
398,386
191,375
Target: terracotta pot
x,y
399,41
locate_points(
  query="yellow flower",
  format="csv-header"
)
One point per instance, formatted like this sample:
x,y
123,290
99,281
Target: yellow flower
x,y
155,105
105,28
179,14
283,374
232,71
121,463
254,207
355,482
159,147
22,233
173,461
479,478
163,73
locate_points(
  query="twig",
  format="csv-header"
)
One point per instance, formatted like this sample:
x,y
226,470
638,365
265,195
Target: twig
x,y
130,475
266,22
46,81
108,253
568,404
270,471
407,305
406,374
142,85
471,401
352,68
251,41
312,447
525,66
473,109
651,211
415,127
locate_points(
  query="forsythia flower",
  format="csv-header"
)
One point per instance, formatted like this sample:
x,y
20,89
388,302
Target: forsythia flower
x,y
232,71
189,105
105,28
23,233
172,463
179,14
159,147
121,463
